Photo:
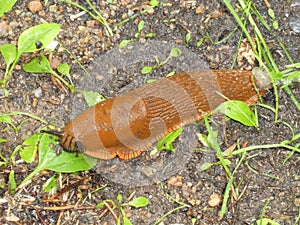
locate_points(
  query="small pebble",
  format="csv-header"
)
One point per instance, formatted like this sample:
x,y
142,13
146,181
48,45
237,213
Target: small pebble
x,y
295,24
214,200
4,29
200,9
35,6
38,92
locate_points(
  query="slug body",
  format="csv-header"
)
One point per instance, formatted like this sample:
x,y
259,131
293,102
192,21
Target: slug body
x,y
126,125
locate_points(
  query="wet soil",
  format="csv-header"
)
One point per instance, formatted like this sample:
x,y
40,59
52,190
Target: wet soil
x,y
263,176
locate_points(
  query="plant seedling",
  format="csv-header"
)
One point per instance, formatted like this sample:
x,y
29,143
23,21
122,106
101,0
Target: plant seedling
x,y
175,52
43,33
136,203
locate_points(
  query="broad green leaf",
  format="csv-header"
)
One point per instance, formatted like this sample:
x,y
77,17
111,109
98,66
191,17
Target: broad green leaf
x,y
147,69
6,5
92,98
175,52
38,65
65,162
44,33
50,185
167,141
138,202
12,182
124,43
9,53
29,148
239,111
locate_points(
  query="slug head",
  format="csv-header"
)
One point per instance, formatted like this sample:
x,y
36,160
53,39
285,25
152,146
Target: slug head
x,y
67,143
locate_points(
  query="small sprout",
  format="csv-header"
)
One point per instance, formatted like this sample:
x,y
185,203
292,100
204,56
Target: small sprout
x,y
50,185
12,182
124,43
175,52
141,26
188,38
147,69
138,202
201,40
150,35
167,141
154,3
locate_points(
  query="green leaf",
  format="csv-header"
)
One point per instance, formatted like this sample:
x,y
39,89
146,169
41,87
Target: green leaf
x,y
126,221
6,119
2,140
30,147
275,24
50,185
206,166
9,53
141,26
170,74
154,3
65,162
199,43
266,221
209,140
239,111
6,5
167,141
12,182
64,69
92,98
138,202
271,13
100,205
38,65
119,198
147,69
188,38
124,43
44,33
150,35
175,52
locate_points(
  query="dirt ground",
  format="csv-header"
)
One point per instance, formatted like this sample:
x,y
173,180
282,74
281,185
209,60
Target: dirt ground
x,y
261,179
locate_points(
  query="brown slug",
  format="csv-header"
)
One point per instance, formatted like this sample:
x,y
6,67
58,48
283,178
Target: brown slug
x,y
126,125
